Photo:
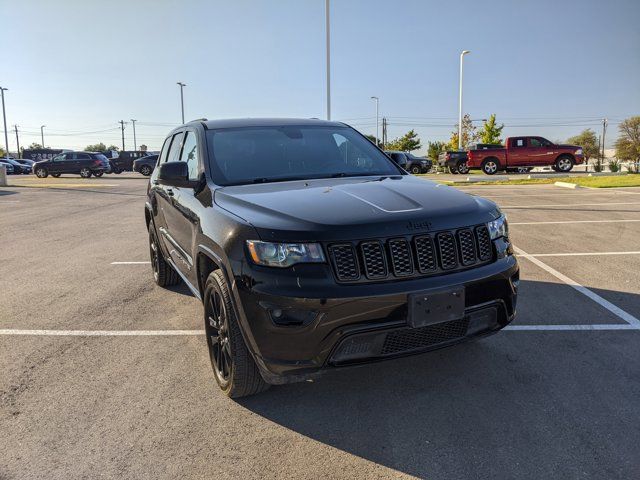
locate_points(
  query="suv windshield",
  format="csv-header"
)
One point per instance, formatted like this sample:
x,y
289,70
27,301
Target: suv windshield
x,y
271,154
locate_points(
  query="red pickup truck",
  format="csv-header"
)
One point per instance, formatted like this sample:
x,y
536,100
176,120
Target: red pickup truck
x,y
524,153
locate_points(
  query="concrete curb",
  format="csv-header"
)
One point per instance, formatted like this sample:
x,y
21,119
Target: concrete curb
x,y
567,185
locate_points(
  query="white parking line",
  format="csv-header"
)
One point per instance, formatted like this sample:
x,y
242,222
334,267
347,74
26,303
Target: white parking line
x,y
563,205
627,317
528,328
100,333
580,254
131,263
572,221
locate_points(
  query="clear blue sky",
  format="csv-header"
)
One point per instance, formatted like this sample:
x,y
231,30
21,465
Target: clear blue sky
x,y
80,66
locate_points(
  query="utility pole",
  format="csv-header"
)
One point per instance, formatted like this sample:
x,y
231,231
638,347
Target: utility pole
x,y
464,52
384,132
4,116
135,145
122,122
15,127
182,85
377,122
604,131
42,134
328,47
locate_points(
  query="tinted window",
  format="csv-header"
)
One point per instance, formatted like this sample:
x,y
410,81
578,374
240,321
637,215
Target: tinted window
x,y
190,154
539,142
174,151
165,150
82,156
245,155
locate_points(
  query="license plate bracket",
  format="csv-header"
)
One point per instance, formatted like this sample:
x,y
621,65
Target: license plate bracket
x,y
435,306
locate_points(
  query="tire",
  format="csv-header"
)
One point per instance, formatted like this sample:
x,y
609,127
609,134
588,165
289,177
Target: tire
x,y
490,166
233,366
85,173
453,170
117,171
146,170
564,164
98,174
42,172
462,167
56,175
163,274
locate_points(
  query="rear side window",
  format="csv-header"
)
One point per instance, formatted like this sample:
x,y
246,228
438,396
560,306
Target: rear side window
x,y
174,150
518,143
190,154
82,156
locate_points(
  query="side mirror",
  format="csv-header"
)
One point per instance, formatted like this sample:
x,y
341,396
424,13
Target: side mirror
x,y
175,174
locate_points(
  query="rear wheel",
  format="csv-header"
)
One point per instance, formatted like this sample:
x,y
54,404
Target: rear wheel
x,y
462,167
233,366
42,172
146,170
55,175
490,166
564,164
85,172
163,273
453,170
98,174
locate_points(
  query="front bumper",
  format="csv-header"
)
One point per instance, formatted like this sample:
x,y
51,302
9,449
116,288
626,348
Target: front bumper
x,y
296,331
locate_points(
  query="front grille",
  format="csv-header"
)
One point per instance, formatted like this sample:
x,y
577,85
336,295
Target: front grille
x,y
417,338
344,262
405,257
375,264
401,257
447,247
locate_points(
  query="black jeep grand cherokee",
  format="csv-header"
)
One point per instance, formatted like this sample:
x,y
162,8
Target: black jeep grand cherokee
x,y
311,249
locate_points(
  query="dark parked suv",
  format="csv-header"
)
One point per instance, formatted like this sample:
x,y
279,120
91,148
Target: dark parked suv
x,y
410,162
311,250
83,163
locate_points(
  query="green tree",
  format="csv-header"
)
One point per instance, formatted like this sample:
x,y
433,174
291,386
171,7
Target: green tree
x,y
588,141
98,147
35,146
406,143
469,134
491,132
435,148
628,142
114,148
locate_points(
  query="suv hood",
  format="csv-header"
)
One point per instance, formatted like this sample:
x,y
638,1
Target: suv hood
x,y
352,208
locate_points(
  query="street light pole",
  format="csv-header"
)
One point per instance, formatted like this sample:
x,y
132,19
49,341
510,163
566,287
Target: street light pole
x,y
464,52
135,145
4,117
328,46
42,134
377,109
182,85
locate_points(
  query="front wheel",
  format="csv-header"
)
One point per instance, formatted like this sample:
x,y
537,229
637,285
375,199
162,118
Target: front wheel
x,y
490,166
98,174
453,170
564,164
462,167
146,170
55,175
41,172
233,366
415,169
85,173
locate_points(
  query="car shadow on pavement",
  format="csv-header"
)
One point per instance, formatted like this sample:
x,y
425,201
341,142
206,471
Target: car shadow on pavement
x,y
7,192
512,405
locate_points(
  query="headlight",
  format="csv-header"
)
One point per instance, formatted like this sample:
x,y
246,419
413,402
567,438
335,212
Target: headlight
x,y
579,151
284,254
498,228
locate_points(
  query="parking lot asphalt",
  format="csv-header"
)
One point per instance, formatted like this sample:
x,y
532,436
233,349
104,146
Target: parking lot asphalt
x,y
556,396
